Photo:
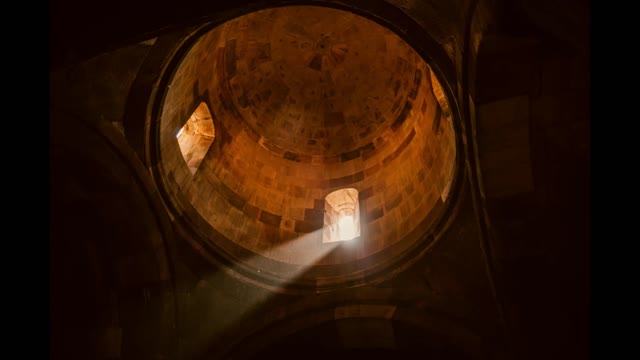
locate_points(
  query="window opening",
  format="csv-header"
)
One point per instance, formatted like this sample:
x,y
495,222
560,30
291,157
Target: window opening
x,y
341,216
196,136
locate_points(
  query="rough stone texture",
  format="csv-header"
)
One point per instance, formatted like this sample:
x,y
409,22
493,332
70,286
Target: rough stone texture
x,y
196,136
449,286
291,76
112,292
261,177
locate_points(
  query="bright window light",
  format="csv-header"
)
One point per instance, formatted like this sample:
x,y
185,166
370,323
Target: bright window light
x,y
196,136
346,228
341,216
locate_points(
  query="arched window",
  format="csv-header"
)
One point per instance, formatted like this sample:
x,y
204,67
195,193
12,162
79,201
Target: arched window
x,y
341,216
196,136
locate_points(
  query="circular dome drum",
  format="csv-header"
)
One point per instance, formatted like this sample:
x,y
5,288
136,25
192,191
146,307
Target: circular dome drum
x,y
308,145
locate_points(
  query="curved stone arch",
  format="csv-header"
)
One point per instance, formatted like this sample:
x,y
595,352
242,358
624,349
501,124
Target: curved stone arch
x,y
166,55
308,316
109,224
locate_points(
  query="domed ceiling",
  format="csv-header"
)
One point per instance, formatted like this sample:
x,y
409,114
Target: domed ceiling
x,y
318,82
306,101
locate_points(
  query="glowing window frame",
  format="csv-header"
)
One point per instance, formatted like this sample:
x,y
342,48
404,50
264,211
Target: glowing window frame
x,y
194,146
341,216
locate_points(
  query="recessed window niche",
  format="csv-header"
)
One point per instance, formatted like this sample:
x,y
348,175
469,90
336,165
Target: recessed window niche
x,y
341,216
196,136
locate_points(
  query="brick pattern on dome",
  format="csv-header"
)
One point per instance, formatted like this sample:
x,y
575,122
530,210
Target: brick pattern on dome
x,y
269,200
316,83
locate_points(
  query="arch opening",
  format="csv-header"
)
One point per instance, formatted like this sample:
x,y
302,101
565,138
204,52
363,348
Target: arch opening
x,y
341,216
196,136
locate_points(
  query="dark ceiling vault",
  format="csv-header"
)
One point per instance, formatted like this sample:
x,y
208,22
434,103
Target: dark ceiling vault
x,y
152,261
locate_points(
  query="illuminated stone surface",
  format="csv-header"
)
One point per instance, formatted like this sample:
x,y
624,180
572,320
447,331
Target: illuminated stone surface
x,y
305,101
